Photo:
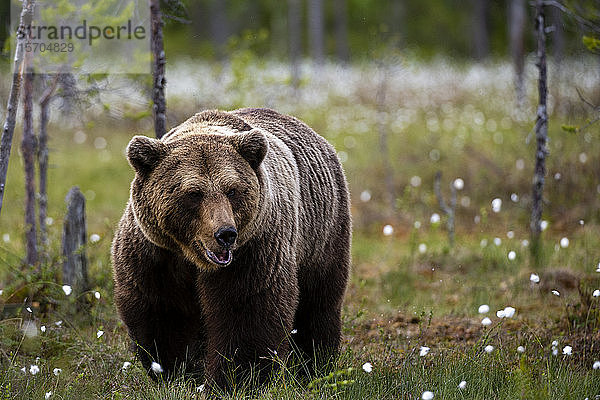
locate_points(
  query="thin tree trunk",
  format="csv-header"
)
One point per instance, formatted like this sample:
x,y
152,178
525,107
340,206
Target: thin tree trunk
x,y
316,32
13,98
42,156
383,142
481,40
73,242
341,30
541,134
516,25
28,149
159,108
219,25
449,210
295,39
558,35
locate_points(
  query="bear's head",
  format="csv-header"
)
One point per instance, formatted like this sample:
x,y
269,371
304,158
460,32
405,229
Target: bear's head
x,y
199,194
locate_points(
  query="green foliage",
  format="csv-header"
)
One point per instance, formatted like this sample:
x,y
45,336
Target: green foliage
x,y
591,43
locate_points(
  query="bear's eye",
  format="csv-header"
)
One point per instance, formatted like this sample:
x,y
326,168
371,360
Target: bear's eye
x,y
194,196
231,193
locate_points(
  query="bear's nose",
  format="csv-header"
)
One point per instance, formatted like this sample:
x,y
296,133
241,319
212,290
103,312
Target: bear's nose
x,y
226,236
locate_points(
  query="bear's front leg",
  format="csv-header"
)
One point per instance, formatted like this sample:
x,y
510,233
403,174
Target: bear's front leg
x,y
246,333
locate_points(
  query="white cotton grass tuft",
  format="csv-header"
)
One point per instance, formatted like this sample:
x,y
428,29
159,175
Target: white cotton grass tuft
x,y
388,230
422,248
520,349
424,351
97,295
365,196
564,242
34,369
489,348
555,292
99,334
486,321
462,385
484,309
56,371
367,367
512,255
435,218
48,395
200,389
427,395
67,289
544,225
596,365
126,365
43,328
535,278
496,205
156,367
458,184
567,350
497,241
596,293
94,238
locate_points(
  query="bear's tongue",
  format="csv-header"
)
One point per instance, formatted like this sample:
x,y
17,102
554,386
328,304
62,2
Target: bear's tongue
x,y
223,257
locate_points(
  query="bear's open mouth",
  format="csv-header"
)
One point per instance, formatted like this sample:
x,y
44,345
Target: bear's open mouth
x,y
221,258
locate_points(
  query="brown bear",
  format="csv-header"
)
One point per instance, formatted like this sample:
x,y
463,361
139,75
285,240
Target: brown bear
x,y
236,238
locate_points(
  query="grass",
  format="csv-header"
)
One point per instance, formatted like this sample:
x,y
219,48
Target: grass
x,y
408,289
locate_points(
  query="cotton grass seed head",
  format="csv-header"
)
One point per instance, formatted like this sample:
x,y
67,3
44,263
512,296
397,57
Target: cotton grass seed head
x,y
555,292
99,334
97,295
564,242
486,321
496,205
427,395
126,365
512,255
484,309
34,369
489,348
535,278
388,230
435,219
596,293
462,385
67,289
367,367
520,349
48,395
459,184
424,351
567,350
56,371
596,365
156,368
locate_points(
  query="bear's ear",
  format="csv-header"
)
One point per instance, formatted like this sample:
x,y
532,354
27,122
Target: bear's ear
x,y
145,153
251,145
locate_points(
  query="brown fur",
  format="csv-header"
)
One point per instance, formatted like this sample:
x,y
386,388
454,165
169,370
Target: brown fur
x,y
281,187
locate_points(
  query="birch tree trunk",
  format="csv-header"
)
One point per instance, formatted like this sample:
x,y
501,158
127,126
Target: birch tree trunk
x,y
541,135
13,98
42,158
28,149
516,26
341,30
316,30
73,242
295,39
481,40
159,108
